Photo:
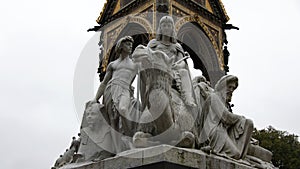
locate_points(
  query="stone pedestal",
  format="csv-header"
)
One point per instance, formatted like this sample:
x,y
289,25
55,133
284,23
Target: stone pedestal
x,y
163,157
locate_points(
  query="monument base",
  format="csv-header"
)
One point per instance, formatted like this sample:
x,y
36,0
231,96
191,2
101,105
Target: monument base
x,y
163,157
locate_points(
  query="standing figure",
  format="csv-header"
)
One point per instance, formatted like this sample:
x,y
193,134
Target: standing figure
x,y
226,133
116,88
166,42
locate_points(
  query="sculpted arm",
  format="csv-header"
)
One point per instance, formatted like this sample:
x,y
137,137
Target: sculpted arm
x,y
106,79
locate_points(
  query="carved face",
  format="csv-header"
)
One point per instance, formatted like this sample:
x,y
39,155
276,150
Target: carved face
x,y
92,117
166,28
127,47
229,90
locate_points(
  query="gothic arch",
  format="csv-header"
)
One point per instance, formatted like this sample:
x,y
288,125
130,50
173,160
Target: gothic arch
x,y
201,49
197,19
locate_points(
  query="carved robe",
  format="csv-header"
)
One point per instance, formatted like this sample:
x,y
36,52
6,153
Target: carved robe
x,y
221,128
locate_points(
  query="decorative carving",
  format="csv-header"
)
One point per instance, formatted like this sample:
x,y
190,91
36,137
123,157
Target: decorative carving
x,y
178,12
199,20
143,22
147,14
107,14
215,35
162,6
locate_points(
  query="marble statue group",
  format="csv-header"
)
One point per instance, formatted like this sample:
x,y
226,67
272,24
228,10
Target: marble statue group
x,y
171,107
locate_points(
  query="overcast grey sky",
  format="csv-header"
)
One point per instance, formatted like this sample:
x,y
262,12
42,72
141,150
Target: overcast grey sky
x,y
41,42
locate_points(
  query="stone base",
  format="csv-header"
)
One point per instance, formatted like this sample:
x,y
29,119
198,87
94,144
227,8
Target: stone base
x,y
163,157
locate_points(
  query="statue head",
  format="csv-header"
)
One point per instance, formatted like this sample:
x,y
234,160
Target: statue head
x,y
226,85
93,114
124,45
166,27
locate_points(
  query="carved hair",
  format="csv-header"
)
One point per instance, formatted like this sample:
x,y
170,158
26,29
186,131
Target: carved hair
x,y
224,81
118,48
166,19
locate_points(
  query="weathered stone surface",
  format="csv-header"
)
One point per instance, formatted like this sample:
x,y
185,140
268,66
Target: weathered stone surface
x,y
260,152
163,156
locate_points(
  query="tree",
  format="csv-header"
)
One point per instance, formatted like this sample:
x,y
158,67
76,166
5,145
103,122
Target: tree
x,y
284,146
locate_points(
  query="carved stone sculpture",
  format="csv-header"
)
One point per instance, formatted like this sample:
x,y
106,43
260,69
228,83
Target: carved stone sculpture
x,y
174,109
156,80
116,88
170,104
166,41
95,135
202,90
226,133
75,144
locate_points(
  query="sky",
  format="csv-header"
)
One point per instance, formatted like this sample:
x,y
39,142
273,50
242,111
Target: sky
x,y
43,43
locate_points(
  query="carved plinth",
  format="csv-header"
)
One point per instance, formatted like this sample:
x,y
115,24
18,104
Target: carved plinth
x,y
163,156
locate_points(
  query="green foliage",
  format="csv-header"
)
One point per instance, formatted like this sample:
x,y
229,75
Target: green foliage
x,y
284,146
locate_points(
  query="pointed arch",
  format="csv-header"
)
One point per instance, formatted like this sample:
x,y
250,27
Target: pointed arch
x,y
202,51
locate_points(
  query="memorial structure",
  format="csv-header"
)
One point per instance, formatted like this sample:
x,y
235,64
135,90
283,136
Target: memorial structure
x,y
173,120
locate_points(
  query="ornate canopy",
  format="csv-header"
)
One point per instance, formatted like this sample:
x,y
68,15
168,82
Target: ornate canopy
x,y
199,26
